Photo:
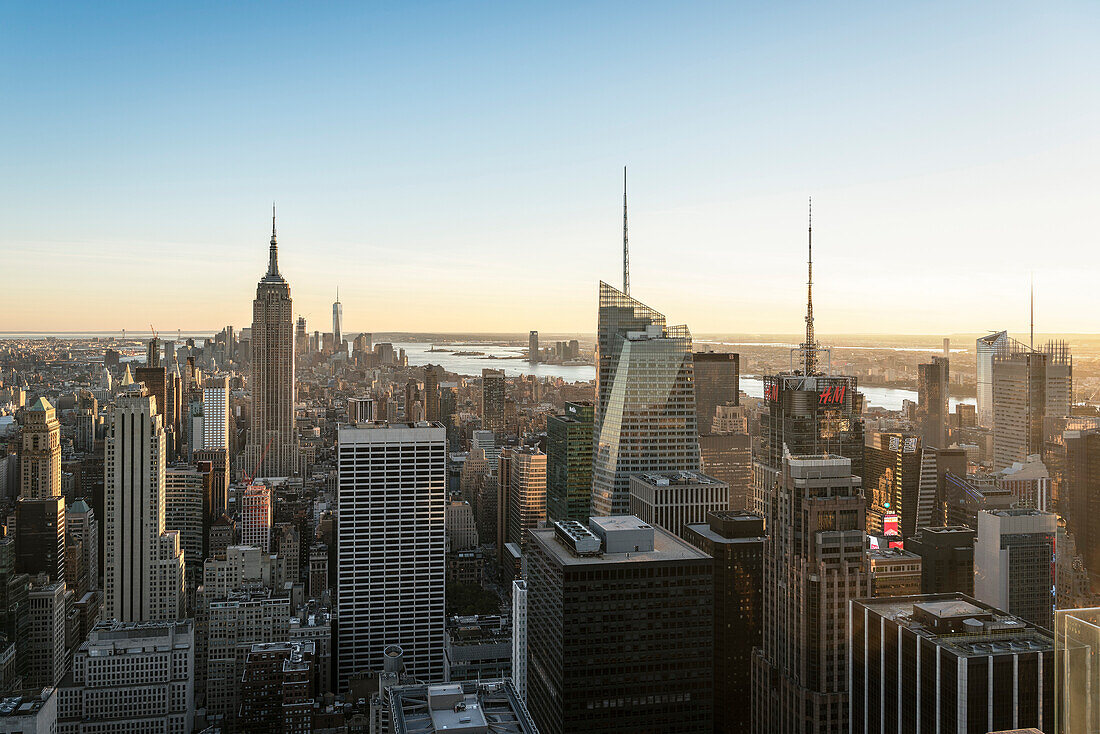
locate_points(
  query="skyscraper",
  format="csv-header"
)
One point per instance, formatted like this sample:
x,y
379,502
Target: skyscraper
x,y
432,376
492,400
40,452
645,409
272,439
215,413
1014,563
337,323
391,545
814,562
601,627
947,559
717,376
1028,386
143,576
933,382
985,348
526,493
40,537
569,463
533,347
891,482
256,517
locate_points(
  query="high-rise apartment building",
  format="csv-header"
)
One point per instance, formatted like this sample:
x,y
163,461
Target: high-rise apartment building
x,y
1014,563
645,400
256,517
605,652
985,348
40,451
673,500
947,663
717,376
569,463
492,400
277,688
185,491
814,562
933,386
1028,386
947,559
133,676
215,413
272,439
143,575
391,546
526,493
735,540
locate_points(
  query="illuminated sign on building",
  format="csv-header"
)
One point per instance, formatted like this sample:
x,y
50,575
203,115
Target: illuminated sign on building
x,y
831,395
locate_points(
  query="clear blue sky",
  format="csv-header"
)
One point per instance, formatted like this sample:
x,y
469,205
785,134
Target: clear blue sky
x,y
457,166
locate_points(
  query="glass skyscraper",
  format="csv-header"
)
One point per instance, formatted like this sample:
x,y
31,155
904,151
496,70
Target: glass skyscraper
x,y
986,347
645,399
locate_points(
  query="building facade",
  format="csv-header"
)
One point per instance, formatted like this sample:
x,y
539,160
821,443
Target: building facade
x,y
673,500
40,451
1014,563
569,463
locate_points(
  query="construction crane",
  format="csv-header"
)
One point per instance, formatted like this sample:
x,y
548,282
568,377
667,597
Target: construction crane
x,y
259,462
153,330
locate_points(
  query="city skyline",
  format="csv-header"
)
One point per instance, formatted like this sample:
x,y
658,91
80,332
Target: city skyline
x,y
459,154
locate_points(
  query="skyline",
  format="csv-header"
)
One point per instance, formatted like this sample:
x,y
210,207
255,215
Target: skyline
x,y
468,179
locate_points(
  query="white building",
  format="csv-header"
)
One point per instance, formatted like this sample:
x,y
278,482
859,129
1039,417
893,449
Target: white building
x,y
673,500
143,575
136,677
215,413
519,636
391,546
256,517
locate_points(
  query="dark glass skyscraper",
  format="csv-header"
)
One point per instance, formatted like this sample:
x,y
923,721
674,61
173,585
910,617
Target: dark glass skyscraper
x,y
933,382
716,383
569,463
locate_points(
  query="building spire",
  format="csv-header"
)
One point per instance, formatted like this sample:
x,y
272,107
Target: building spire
x,y
273,254
1031,344
809,349
626,243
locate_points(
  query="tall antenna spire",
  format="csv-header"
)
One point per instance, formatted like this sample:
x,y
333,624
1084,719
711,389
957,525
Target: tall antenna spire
x,y
1032,340
626,243
809,349
273,253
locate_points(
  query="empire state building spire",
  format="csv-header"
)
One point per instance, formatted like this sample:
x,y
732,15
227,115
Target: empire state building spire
x,y
273,254
809,348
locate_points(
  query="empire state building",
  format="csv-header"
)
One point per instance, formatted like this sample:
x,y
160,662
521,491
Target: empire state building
x,y
272,438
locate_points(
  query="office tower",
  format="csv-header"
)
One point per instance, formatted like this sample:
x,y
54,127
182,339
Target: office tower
x,y
526,493
673,500
1029,482
157,383
40,537
728,458
569,463
132,676
492,400
487,442
337,323
277,687
256,517
735,540
432,376
814,562
40,452
947,559
414,407
933,386
1028,385
598,620
471,706
301,336
519,637
272,438
1081,504
460,525
932,487
185,490
82,524
391,547
893,572
1014,563
47,654
891,482
215,413
717,377
1076,645
985,348
143,575
360,410
218,459
533,347
645,409
152,352
947,663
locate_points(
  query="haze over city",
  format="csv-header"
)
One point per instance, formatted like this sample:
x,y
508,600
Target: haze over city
x,y
456,167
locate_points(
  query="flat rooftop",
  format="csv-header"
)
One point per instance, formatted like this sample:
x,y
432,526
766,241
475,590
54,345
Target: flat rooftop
x,y
460,708
666,547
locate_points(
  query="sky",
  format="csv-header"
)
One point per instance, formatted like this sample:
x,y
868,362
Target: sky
x,y
457,166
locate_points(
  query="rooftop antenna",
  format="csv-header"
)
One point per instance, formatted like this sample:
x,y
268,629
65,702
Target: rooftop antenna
x,y
1032,344
626,243
810,347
